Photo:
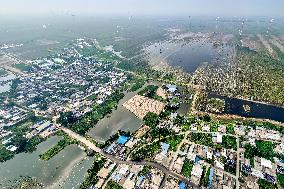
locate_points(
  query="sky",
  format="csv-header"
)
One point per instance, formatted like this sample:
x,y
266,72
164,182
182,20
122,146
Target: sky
x,y
145,7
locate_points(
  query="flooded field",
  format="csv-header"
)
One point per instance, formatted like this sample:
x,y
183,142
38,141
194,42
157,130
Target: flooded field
x,y
67,169
119,119
185,55
184,109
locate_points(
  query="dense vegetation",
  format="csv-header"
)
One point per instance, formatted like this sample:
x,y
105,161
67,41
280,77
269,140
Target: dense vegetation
x,y
5,154
205,177
149,91
92,178
187,168
255,75
280,179
146,152
230,168
262,149
229,142
201,138
113,185
137,84
19,140
151,119
213,105
263,184
230,129
23,144
174,141
145,170
89,120
58,147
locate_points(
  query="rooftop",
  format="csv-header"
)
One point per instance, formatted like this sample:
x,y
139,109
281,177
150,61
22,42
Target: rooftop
x,y
122,139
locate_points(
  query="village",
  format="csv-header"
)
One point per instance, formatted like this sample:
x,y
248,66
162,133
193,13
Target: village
x,y
66,82
170,150
206,153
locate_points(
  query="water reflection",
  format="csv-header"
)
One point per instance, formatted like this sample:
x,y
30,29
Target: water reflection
x,y
256,110
67,168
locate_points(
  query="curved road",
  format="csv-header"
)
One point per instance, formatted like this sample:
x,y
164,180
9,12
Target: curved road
x,y
92,146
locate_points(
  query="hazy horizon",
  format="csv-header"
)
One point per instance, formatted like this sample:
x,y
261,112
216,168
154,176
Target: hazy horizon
x,y
144,7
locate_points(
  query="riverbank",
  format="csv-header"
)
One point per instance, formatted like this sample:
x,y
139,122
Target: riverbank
x,y
236,117
238,108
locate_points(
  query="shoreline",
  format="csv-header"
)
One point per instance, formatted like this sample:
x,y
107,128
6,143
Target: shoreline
x,y
248,100
193,110
65,173
236,117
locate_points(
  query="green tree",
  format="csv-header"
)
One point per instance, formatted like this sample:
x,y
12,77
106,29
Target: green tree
x,y
151,119
67,118
280,179
187,168
113,185
265,149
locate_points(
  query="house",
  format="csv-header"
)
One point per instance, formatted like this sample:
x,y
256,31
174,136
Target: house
x,y
266,163
196,173
43,126
217,138
171,88
165,147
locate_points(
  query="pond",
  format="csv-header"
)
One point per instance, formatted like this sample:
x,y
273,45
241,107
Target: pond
x,y
119,119
257,109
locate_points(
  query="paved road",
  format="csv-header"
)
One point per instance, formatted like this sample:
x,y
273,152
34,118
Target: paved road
x,y
178,149
238,163
163,183
167,171
82,139
119,161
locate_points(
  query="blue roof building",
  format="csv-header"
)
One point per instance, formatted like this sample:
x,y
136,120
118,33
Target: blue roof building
x,y
122,139
165,148
211,178
171,88
141,178
182,185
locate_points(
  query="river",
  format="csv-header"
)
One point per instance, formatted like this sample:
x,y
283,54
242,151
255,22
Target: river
x,y
67,169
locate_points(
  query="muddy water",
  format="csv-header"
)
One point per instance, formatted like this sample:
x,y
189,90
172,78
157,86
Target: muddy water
x,y
185,55
67,169
119,119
